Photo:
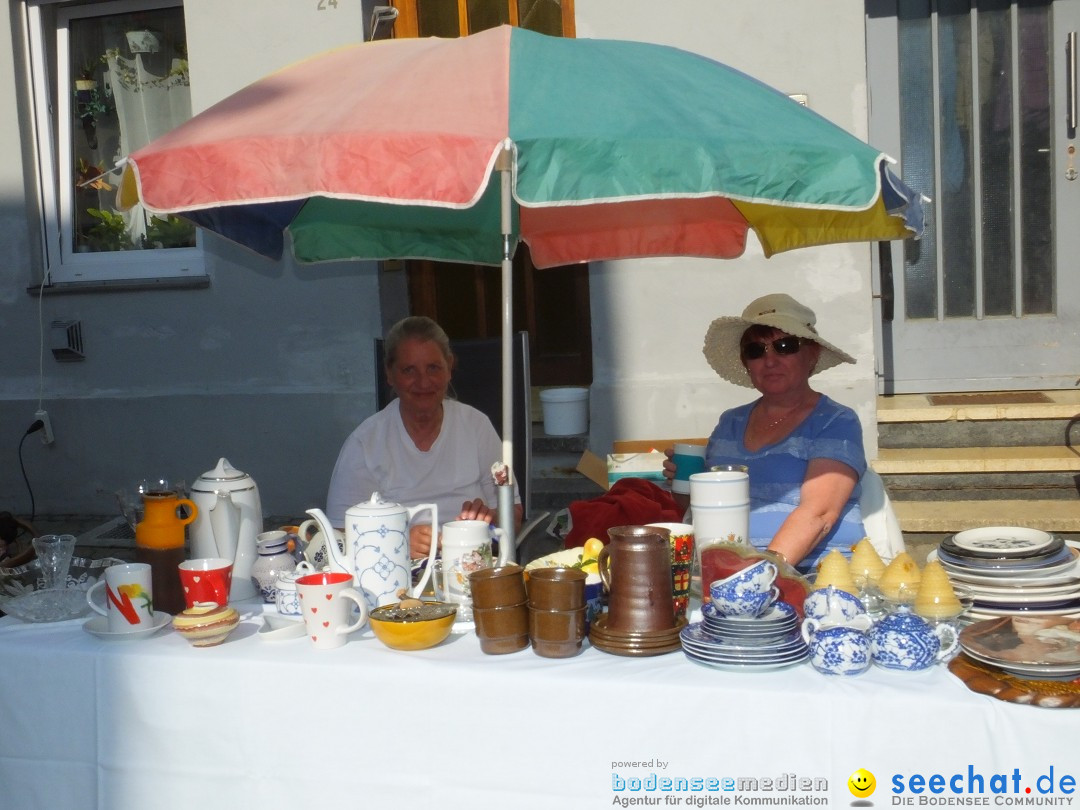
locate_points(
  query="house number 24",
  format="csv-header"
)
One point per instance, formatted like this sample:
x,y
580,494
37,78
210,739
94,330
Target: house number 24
x,y
326,4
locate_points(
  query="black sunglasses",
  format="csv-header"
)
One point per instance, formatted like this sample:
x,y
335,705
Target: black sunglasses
x,y
784,345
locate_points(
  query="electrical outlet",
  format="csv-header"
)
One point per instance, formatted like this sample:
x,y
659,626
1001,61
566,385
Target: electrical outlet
x,y
46,432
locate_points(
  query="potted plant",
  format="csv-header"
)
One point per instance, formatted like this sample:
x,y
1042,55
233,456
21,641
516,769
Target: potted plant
x,y
169,232
109,233
89,105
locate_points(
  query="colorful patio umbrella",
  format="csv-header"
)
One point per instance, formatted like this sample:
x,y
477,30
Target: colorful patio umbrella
x,y
459,149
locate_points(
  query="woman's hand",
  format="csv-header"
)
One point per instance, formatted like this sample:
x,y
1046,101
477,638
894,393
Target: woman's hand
x,y
420,540
669,464
476,509
681,500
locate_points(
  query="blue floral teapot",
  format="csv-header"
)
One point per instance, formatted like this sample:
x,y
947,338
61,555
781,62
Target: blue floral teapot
x,y
905,641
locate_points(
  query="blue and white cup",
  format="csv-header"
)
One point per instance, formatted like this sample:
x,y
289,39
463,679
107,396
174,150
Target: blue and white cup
x,y
749,592
832,605
689,459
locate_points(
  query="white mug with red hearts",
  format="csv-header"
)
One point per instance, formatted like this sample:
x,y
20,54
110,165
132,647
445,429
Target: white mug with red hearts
x,y
325,601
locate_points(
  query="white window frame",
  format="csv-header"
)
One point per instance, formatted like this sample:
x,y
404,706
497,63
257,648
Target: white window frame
x,y
54,160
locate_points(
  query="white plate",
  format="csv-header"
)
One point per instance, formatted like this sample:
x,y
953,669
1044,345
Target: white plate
x,y
1025,597
734,667
1003,538
996,612
99,626
1065,573
1045,591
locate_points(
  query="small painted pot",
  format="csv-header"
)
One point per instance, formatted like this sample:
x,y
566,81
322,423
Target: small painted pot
x,y
908,642
838,650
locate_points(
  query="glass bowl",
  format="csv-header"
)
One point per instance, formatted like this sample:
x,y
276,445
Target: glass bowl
x,y
21,593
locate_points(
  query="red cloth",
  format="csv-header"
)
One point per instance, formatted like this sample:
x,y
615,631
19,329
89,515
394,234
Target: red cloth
x,y
629,502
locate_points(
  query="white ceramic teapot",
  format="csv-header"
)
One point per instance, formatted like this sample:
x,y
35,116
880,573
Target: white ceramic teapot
x,y
377,548
228,523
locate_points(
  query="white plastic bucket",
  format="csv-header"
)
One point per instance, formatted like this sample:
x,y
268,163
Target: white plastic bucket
x,y
566,410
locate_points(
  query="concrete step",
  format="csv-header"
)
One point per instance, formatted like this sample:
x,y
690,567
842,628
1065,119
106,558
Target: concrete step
x,y
960,460
984,486
982,433
1060,404
952,516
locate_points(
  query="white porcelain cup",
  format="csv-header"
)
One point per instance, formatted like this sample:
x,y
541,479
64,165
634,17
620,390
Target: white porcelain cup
x,y
689,459
720,488
326,600
129,599
719,508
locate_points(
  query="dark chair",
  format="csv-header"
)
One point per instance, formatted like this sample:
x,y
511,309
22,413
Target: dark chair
x,y
478,382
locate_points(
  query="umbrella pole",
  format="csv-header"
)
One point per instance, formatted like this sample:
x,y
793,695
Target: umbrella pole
x,y
504,165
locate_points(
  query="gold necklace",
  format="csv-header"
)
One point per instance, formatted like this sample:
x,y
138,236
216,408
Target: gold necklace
x,y
787,415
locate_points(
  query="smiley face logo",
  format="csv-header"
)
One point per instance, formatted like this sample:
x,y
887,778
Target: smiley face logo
x,y
861,783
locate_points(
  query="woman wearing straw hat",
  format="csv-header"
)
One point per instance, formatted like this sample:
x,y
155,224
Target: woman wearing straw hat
x,y
803,450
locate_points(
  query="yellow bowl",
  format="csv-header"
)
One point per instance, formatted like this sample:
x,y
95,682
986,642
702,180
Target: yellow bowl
x,y
404,630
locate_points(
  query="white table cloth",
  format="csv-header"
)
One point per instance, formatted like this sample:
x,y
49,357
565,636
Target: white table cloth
x,y
155,723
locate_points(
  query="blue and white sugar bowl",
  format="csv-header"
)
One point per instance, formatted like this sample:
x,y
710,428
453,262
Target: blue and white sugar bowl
x,y
285,593
908,642
838,649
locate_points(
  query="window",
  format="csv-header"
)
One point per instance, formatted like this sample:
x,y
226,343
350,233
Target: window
x,y
425,18
109,77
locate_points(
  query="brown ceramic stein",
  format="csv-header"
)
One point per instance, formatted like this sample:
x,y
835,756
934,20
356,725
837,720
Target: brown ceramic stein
x,y
635,567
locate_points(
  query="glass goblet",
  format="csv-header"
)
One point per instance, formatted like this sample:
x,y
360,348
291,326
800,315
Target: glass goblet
x,y
54,553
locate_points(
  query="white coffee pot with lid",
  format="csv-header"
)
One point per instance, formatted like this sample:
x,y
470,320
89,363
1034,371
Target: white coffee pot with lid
x,y
377,548
229,521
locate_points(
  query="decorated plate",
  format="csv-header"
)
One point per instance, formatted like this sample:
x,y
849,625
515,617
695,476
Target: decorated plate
x,y
1031,643
1031,670
949,545
981,565
1003,539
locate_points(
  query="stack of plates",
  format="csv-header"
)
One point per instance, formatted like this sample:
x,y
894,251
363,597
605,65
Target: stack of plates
x,y
769,641
627,642
1041,647
1013,571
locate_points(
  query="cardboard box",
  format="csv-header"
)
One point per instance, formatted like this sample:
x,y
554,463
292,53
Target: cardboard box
x,y
643,458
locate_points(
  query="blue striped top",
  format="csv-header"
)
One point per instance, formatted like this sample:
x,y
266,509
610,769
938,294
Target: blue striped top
x,y
777,470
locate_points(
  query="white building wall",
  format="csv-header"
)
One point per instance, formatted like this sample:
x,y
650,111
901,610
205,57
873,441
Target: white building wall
x,y
650,317
271,365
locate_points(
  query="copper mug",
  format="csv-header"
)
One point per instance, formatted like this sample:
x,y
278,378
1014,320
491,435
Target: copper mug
x,y
635,567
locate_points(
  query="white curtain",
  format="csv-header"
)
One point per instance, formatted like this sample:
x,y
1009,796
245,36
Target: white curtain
x,y
147,106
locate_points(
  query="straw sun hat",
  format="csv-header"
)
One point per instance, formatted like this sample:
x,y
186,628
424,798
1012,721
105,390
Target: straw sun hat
x,y
777,310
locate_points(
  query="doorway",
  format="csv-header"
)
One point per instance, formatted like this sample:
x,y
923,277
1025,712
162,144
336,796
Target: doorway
x,y
977,100
551,305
